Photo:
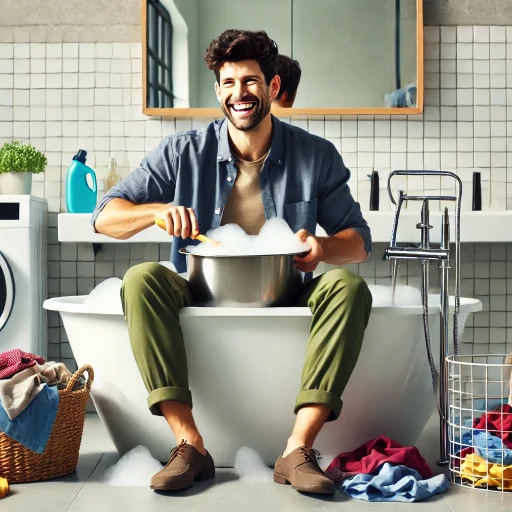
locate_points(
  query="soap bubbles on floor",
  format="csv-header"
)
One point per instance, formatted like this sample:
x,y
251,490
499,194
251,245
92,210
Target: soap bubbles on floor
x,y
249,466
325,461
134,469
275,237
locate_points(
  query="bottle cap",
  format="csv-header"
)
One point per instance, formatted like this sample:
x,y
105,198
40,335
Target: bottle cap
x,y
81,156
111,163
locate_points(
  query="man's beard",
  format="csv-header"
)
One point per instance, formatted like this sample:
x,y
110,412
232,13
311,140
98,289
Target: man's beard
x,y
251,122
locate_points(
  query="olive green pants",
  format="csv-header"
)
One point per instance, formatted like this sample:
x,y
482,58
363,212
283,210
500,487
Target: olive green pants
x,y
152,296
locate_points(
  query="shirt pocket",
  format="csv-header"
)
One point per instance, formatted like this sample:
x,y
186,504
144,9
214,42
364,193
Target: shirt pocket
x,y
302,215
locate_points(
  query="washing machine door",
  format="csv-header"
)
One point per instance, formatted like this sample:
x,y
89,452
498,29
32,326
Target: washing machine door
x,y
6,291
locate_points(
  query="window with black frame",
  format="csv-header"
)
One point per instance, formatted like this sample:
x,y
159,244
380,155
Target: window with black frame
x,y
159,56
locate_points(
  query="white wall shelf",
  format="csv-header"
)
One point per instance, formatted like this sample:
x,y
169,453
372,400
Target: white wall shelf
x,y
475,227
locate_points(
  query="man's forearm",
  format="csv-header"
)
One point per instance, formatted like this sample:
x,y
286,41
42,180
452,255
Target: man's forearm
x,y
122,219
343,248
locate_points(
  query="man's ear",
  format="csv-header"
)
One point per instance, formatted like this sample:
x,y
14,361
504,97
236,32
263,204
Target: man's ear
x,y
275,85
217,91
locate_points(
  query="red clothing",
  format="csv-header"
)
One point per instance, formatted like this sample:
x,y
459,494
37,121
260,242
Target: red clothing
x,y
497,422
373,454
16,360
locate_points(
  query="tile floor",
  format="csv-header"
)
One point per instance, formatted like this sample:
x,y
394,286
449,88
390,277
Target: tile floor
x,y
84,490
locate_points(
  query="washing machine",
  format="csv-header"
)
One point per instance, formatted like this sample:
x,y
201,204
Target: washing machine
x,y
23,273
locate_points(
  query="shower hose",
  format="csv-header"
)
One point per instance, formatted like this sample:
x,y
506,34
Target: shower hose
x,y
433,371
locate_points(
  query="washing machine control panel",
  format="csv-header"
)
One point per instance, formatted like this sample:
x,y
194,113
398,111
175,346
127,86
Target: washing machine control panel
x,y
15,211
9,211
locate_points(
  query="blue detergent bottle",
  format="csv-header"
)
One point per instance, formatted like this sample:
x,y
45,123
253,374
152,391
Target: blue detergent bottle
x,y
80,198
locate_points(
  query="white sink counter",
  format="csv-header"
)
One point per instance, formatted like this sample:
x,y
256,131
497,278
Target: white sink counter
x,y
482,226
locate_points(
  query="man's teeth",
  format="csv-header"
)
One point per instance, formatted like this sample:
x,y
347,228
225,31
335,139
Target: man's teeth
x,y
243,106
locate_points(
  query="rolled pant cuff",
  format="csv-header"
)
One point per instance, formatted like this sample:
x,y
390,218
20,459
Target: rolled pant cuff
x,y
317,396
168,393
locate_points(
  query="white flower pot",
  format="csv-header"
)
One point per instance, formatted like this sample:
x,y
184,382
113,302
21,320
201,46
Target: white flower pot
x,y
14,183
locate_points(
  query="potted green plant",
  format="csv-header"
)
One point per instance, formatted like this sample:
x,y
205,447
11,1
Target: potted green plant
x,y
17,164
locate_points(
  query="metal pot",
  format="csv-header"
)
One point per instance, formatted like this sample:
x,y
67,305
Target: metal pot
x,y
243,281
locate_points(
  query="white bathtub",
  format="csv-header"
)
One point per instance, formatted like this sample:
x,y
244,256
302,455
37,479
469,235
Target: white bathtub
x,y
245,367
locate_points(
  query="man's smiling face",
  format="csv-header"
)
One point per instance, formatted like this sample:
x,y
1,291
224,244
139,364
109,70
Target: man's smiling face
x,y
244,95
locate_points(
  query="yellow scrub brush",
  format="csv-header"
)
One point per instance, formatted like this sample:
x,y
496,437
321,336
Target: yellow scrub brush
x,y
201,238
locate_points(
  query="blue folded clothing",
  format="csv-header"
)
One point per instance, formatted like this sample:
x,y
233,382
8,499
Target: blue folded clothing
x,y
32,428
394,483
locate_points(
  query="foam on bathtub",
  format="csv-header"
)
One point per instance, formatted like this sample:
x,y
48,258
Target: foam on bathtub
x,y
134,469
106,295
275,237
169,265
250,467
404,296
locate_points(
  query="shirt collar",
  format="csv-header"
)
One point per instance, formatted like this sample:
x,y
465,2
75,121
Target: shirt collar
x,y
223,151
276,147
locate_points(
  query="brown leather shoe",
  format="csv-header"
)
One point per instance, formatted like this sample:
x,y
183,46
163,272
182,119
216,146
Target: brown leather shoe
x,y
185,466
300,468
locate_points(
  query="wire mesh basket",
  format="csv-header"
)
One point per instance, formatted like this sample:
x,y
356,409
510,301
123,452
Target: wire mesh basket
x,y
480,421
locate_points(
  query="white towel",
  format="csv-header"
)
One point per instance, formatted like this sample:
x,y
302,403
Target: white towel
x,y
18,391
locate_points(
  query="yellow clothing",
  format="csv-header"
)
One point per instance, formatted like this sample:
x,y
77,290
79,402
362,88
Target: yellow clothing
x,y
4,487
484,474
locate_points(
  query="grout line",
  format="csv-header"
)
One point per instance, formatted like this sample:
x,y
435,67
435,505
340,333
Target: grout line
x,y
446,501
85,481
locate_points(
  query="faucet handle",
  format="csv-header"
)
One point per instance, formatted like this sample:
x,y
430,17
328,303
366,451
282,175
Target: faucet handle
x,y
420,225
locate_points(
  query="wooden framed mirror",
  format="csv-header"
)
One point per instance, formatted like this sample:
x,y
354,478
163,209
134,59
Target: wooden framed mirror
x,y
355,56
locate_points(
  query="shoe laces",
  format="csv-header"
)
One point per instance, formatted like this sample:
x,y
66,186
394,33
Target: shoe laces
x,y
178,450
309,454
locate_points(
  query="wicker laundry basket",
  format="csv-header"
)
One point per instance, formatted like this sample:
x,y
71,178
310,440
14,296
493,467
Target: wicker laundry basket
x,y
20,464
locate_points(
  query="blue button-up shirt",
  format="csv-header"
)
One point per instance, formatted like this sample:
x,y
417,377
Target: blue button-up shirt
x,y
303,181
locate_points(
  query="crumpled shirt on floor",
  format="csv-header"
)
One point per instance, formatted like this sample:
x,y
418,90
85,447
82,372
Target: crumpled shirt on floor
x,y
394,483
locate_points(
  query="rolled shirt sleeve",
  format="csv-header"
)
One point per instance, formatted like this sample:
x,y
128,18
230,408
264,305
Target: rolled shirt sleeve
x,y
337,209
154,181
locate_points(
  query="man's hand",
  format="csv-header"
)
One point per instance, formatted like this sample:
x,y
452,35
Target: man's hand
x,y
180,221
310,261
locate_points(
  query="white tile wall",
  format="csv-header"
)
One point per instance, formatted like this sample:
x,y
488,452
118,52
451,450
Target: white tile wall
x,y
66,96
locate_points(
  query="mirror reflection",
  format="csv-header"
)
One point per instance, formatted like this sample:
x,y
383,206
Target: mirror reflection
x,y
334,53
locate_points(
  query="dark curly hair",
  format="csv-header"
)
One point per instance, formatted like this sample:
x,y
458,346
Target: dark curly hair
x,y
290,73
235,45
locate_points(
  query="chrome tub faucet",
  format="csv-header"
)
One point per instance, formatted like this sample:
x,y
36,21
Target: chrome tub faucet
x,y
424,254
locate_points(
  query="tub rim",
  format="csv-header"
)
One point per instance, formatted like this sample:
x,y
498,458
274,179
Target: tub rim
x,y
74,304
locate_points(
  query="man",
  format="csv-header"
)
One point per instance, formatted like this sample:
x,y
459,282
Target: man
x,y
289,72
244,169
